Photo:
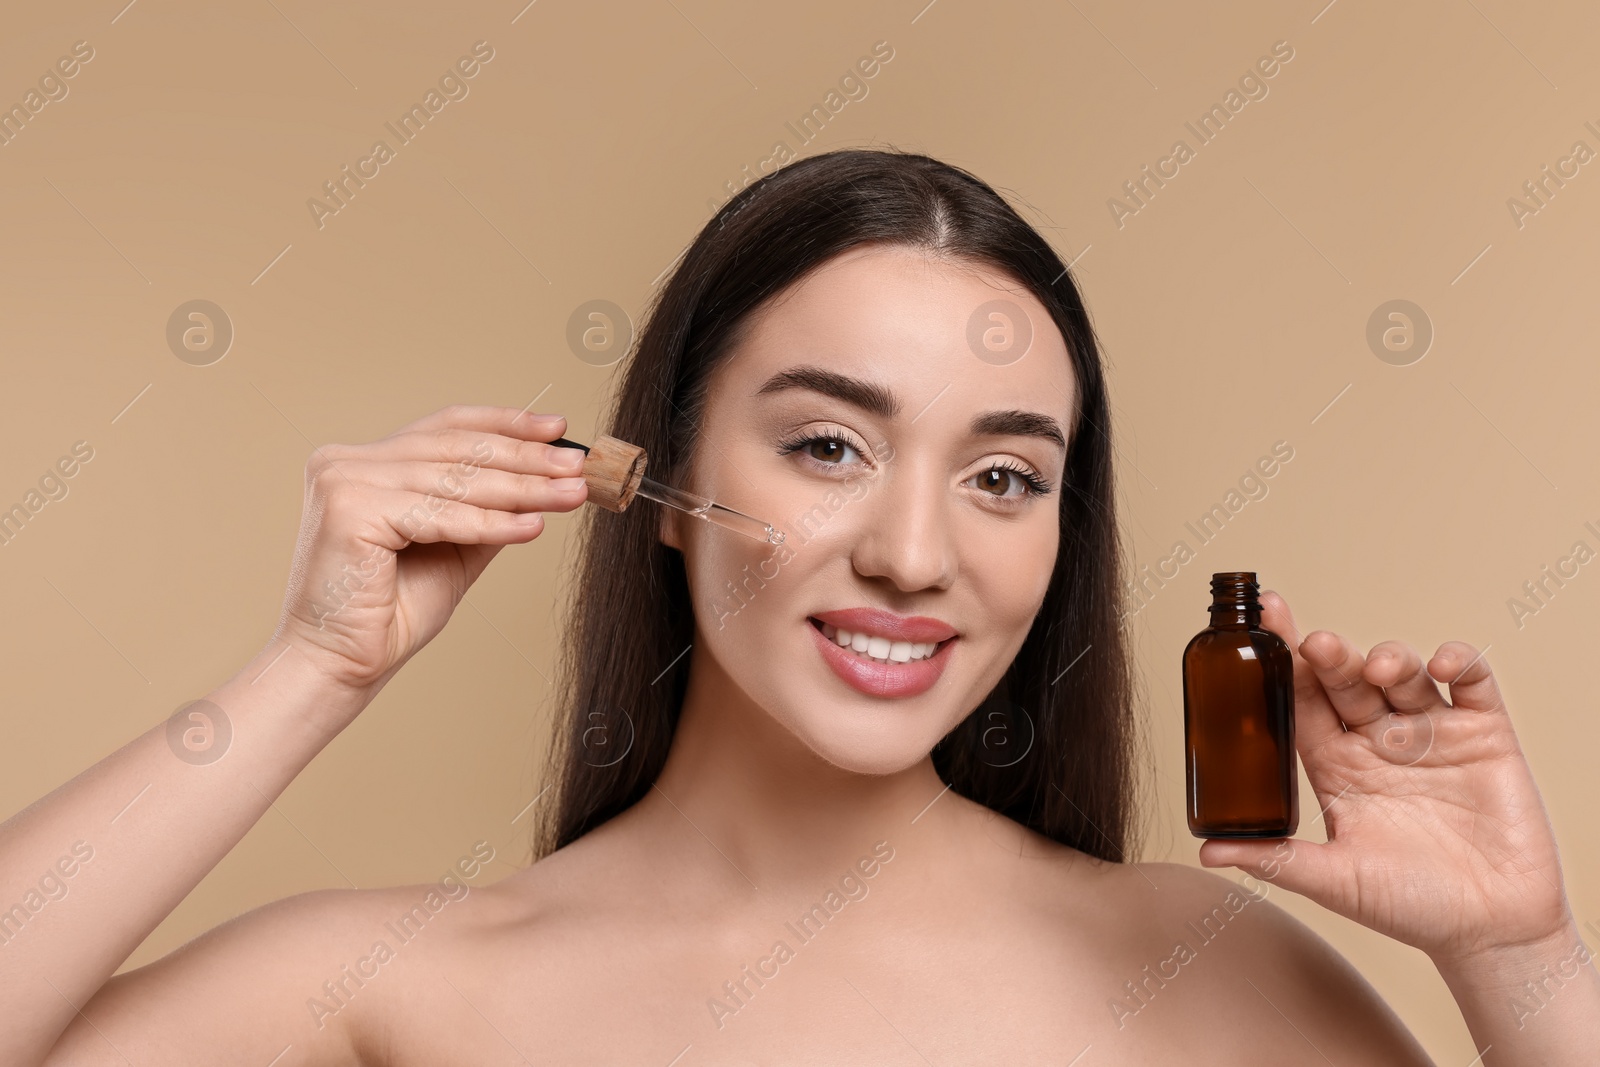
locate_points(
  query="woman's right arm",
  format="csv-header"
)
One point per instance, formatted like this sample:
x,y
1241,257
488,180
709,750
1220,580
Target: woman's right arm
x,y
392,534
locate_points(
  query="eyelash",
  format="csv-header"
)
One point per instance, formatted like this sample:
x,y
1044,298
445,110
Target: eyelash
x,y
1035,484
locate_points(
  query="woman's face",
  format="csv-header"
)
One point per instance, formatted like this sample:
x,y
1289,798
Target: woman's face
x,y
879,415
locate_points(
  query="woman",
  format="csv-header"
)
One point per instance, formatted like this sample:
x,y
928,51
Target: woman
x,y
867,795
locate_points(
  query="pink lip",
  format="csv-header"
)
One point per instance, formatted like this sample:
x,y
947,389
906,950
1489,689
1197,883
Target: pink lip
x,y
882,679
916,628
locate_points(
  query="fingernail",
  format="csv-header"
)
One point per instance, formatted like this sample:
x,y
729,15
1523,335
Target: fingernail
x,y
565,484
570,458
544,418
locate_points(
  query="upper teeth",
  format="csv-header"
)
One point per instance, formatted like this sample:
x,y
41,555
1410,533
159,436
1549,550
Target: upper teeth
x,y
879,648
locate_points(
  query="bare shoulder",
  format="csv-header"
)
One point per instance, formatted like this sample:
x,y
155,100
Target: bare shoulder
x,y
247,988
339,975
1187,951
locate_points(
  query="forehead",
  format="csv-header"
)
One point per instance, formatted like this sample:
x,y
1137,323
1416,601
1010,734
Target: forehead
x,y
916,324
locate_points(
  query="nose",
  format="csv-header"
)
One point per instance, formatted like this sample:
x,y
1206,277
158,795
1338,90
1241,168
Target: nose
x,y
907,538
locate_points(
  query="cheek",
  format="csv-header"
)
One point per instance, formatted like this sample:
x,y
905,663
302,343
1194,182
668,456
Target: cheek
x,y
739,586
1009,574
1042,551
819,522
735,582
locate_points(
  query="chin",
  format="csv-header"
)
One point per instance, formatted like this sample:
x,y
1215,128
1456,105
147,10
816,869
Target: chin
x,y
879,741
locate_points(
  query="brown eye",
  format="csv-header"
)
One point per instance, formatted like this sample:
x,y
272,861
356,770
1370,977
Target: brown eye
x,y
1006,478
824,449
996,476
827,449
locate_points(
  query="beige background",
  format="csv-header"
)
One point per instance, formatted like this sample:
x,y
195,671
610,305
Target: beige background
x,y
1233,308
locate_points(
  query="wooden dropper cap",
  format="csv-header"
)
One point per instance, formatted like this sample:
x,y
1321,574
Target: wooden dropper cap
x,y
613,470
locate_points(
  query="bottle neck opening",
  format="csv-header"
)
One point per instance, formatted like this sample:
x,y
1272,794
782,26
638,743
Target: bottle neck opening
x,y
1235,599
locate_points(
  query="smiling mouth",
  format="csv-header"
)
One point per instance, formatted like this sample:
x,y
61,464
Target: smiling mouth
x,y
876,649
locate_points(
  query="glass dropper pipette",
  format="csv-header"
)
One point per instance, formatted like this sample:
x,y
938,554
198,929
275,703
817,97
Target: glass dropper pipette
x,y
709,510
698,506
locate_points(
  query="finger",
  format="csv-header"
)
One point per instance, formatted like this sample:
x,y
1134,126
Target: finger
x,y
1315,721
472,448
492,418
395,519
1338,666
1471,680
1304,867
1398,668
481,487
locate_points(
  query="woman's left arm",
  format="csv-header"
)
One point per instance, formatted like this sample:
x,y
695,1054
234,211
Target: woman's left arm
x,y
1437,837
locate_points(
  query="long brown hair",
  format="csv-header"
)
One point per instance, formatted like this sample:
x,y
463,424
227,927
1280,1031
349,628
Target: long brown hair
x,y
1067,701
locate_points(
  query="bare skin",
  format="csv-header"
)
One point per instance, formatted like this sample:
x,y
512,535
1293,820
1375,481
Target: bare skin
x,y
958,936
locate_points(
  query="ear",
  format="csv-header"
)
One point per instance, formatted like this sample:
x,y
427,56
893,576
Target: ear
x,y
667,529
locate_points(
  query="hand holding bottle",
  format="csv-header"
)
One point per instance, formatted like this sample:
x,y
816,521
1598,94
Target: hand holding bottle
x,y
1437,835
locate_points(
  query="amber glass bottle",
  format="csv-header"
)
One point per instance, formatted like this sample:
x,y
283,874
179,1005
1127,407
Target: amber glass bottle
x,y
1238,719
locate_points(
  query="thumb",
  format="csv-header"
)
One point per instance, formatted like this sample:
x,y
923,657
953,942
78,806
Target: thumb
x,y
1305,867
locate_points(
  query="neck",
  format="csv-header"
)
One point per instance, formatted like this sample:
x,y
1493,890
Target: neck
x,y
779,814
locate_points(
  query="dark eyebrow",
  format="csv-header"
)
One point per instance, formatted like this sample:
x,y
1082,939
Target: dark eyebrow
x,y
1018,424
880,401
869,396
